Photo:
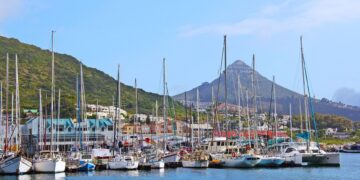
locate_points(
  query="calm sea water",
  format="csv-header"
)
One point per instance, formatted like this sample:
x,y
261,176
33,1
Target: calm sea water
x,y
349,169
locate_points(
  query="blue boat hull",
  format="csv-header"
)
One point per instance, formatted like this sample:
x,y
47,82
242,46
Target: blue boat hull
x,y
86,166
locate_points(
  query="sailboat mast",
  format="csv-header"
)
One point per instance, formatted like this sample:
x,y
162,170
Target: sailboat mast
x,y
305,96
255,103
198,115
6,104
118,104
291,133
275,113
52,90
164,105
40,120
239,103
1,109
301,119
248,117
57,123
17,102
225,76
157,115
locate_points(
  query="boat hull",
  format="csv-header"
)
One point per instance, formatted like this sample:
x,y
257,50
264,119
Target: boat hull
x,y
157,165
123,165
318,159
171,158
15,165
271,162
241,162
49,166
195,164
86,166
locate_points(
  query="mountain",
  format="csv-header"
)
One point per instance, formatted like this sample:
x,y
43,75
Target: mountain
x,y
263,93
35,73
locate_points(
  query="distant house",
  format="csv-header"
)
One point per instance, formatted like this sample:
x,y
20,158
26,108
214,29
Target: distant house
x,y
341,135
330,131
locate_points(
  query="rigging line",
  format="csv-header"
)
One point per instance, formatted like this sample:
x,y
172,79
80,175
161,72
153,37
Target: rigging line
x,y
311,107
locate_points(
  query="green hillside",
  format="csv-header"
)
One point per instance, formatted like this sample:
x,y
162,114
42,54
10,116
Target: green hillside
x,y
35,73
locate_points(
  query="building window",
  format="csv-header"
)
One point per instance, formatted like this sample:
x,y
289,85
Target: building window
x,y
93,129
69,130
110,128
102,129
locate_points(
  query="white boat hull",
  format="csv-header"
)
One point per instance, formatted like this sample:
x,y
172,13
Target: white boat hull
x,y
319,159
123,165
241,162
157,165
49,165
15,165
271,161
171,158
195,164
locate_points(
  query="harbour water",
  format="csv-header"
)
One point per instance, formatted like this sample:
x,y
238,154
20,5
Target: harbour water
x,y
349,169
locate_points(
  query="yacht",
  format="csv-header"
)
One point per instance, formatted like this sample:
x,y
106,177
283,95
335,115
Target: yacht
x,y
49,162
120,162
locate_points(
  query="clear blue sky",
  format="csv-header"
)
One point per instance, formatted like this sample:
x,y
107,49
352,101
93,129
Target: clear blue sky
x,y
189,34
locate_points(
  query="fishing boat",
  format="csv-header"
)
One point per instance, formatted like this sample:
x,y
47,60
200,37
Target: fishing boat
x,y
101,158
13,162
50,161
197,159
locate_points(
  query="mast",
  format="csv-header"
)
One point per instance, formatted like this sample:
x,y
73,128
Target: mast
x,y
291,133
255,103
164,105
136,107
78,139
52,90
115,129
198,115
305,96
275,113
225,75
119,104
301,119
253,84
12,121
248,116
96,121
40,120
6,103
57,126
17,102
157,116
1,110
239,103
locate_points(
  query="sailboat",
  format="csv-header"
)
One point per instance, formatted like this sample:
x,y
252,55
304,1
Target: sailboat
x,y
170,158
311,152
272,160
14,162
119,161
80,159
198,158
50,161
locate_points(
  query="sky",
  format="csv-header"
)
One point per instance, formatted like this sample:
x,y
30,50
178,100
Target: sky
x,y
189,34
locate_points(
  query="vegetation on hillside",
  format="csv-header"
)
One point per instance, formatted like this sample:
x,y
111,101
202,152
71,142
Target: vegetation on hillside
x,y
35,74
